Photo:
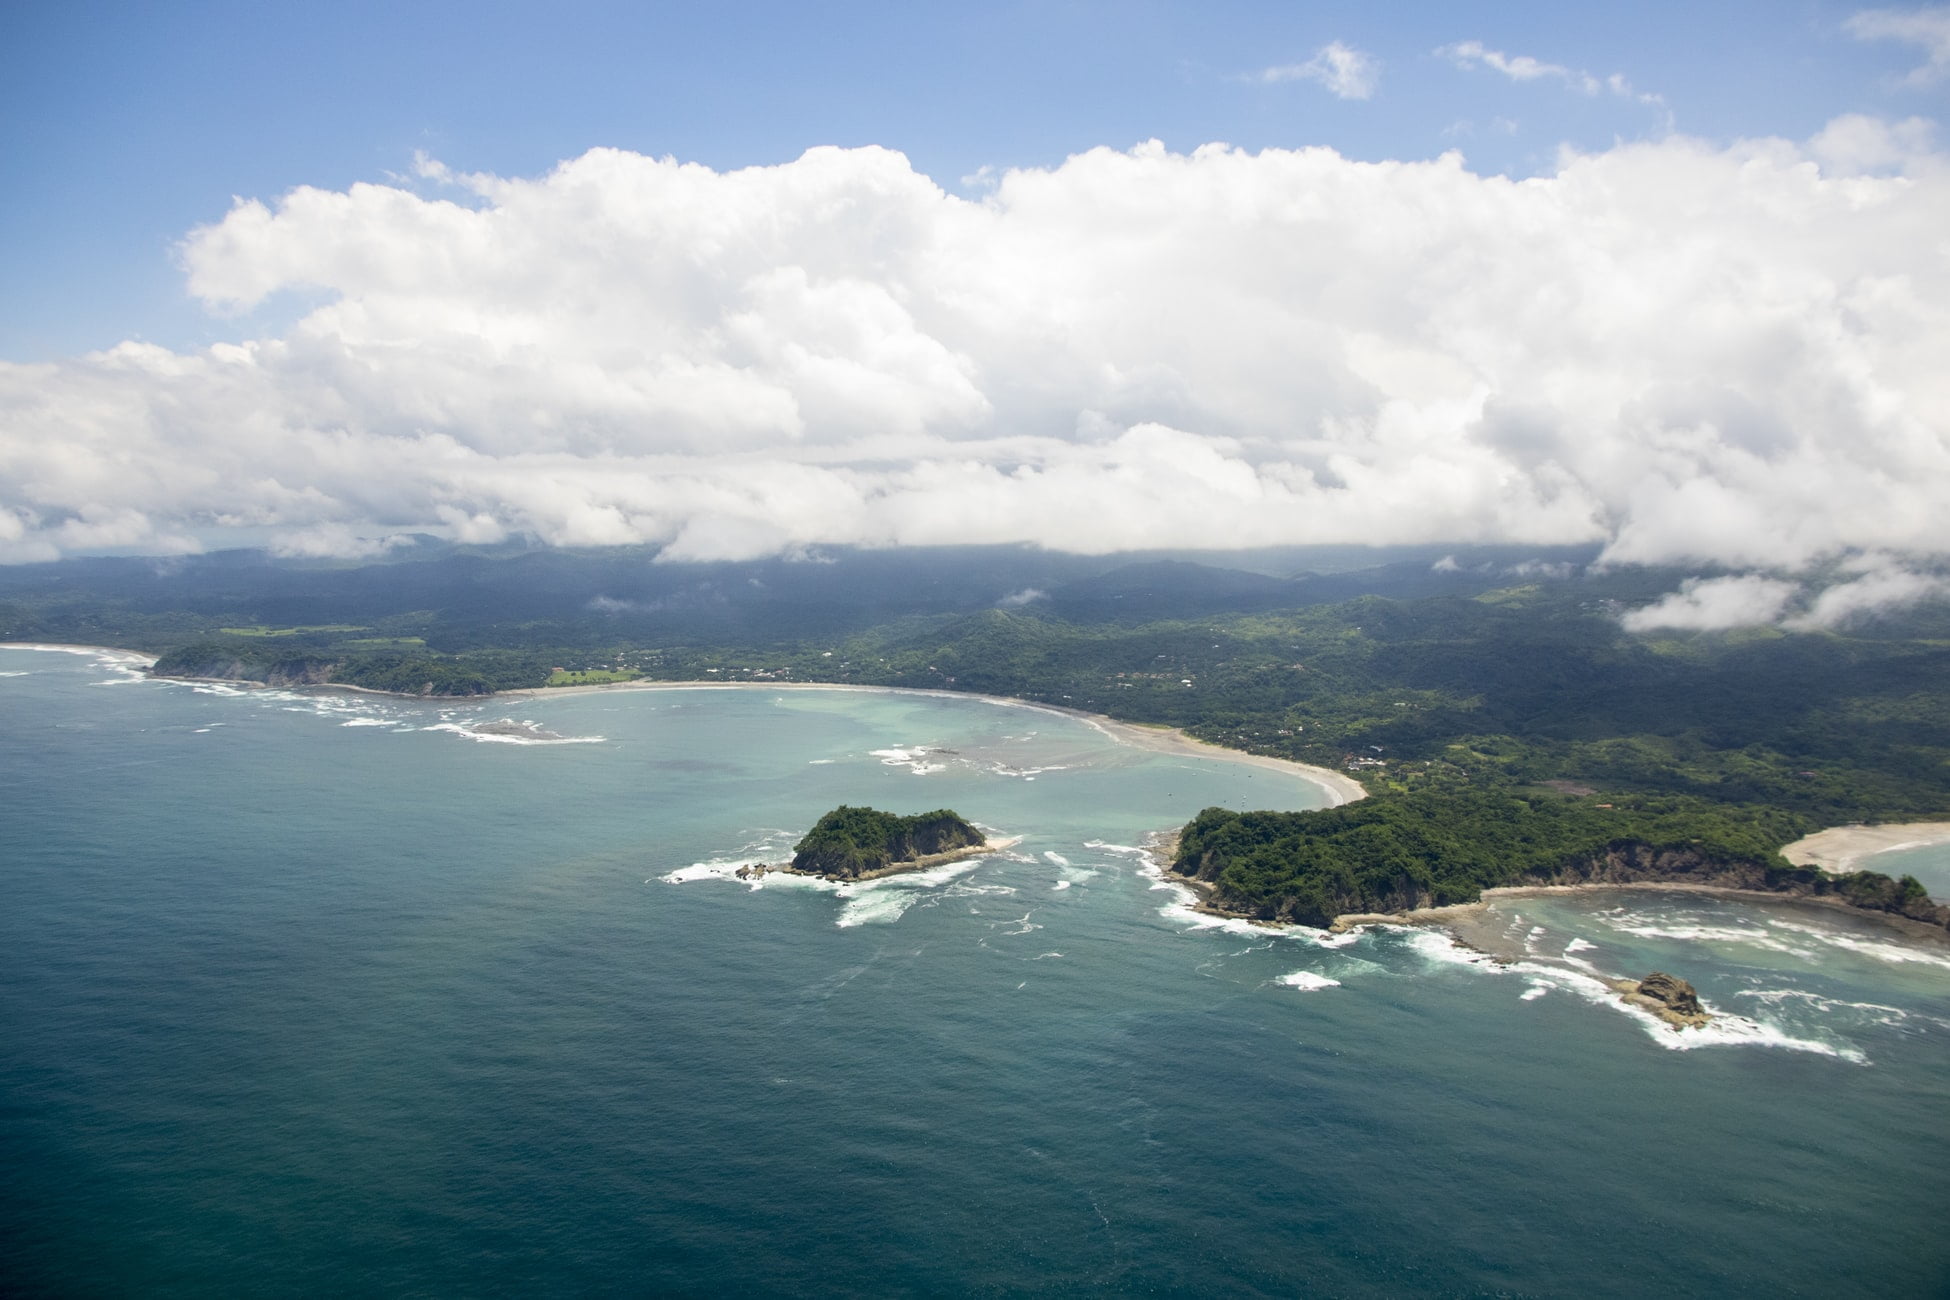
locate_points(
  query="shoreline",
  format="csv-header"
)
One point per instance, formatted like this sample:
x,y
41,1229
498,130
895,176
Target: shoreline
x,y
63,647
1838,850
1467,920
1338,786
921,863
1842,849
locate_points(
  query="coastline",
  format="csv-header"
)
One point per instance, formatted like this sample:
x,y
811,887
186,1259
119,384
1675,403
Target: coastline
x,y
1339,787
1468,921
1838,850
1842,849
900,868
62,647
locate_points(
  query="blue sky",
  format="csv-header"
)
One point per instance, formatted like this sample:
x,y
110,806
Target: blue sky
x,y
122,126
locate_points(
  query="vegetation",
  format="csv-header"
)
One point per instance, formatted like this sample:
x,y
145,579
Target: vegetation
x,y
1497,709
1422,850
851,842
590,676
292,631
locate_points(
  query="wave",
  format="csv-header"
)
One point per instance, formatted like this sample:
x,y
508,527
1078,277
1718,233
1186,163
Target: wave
x,y
470,731
1687,928
1726,1029
1893,954
884,901
914,758
1308,981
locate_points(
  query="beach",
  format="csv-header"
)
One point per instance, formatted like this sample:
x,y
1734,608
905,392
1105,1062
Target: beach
x,y
1838,849
1842,848
1340,787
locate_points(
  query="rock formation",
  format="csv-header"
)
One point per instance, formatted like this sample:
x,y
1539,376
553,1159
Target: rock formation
x,y
1668,997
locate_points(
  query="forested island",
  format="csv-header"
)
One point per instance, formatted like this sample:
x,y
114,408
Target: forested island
x,y
1508,723
860,843
1423,850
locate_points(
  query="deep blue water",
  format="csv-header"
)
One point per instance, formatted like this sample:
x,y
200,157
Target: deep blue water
x,y
310,994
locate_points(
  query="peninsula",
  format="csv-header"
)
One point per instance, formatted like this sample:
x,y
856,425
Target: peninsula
x,y
1422,860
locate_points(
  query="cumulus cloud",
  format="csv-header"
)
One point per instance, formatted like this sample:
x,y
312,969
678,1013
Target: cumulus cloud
x,y
1865,587
1927,28
1346,72
1716,604
1686,352
1883,588
1017,599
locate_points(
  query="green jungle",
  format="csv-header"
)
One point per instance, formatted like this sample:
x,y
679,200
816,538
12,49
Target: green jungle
x,y
1493,703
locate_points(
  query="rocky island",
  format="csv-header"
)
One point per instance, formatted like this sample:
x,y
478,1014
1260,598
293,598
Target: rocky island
x,y
1668,997
862,843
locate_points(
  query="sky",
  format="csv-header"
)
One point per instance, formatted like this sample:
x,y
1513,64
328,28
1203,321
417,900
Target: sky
x,y
748,279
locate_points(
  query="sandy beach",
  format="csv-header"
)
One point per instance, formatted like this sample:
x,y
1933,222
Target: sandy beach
x,y
135,656
1477,925
1340,787
1838,849
1843,848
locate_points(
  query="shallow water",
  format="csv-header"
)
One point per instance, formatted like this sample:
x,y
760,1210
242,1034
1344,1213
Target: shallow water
x,y
1929,863
307,993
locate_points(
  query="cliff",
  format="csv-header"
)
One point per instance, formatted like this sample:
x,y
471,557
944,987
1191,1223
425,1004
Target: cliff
x,y
849,843
1642,864
393,674
219,665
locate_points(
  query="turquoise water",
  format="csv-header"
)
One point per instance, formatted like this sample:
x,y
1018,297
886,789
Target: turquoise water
x,y
1929,863
306,994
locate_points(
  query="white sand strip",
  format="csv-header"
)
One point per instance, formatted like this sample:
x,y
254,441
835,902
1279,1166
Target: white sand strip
x,y
1340,787
1843,848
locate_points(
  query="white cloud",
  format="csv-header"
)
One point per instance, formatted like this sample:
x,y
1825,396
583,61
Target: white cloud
x,y
1522,67
1883,588
1927,28
1716,604
1346,72
1685,352
1518,67
1856,143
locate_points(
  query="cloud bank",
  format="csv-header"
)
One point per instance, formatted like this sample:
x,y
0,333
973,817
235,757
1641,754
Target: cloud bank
x,y
1686,352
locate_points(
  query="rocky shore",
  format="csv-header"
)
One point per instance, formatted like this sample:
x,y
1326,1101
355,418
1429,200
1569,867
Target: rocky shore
x,y
1671,999
754,870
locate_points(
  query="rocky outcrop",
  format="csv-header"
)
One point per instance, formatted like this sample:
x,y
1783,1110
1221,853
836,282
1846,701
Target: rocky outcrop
x,y
856,843
1633,864
1668,997
294,670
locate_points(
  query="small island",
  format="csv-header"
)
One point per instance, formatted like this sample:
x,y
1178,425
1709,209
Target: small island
x,y
862,843
1668,997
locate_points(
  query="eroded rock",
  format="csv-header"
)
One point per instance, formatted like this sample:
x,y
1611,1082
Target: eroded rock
x,y
1668,997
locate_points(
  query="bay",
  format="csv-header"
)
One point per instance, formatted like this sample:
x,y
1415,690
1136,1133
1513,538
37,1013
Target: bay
x,y
329,992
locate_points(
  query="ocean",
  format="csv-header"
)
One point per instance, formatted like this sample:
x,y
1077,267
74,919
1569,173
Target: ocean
x,y
324,992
